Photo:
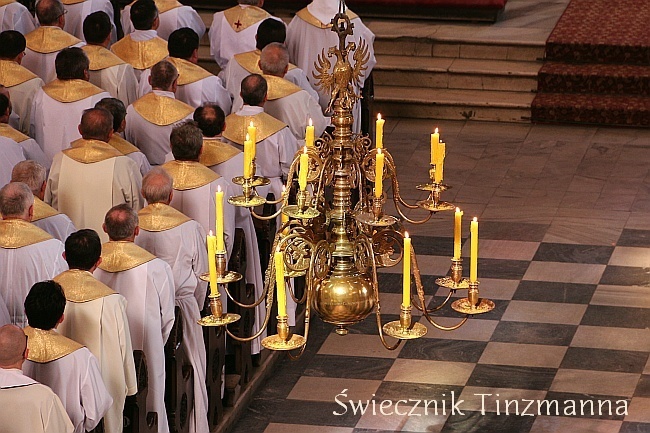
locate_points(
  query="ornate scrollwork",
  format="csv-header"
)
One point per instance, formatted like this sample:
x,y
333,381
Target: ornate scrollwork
x,y
297,250
321,260
387,245
362,254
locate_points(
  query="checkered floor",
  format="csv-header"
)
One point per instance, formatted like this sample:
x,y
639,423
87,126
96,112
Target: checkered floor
x,y
565,255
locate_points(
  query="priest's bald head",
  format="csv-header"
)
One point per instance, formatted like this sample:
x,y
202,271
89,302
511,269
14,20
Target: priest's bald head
x,y
121,223
157,186
210,119
164,76
253,90
274,59
13,347
72,64
50,13
16,201
186,141
96,124
32,174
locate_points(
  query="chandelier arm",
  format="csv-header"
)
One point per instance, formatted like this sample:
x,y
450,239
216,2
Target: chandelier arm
x,y
293,296
309,288
266,217
420,287
398,200
445,328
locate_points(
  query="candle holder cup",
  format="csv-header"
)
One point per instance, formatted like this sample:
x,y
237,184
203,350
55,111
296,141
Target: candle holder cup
x,y
405,328
224,276
455,280
473,304
284,339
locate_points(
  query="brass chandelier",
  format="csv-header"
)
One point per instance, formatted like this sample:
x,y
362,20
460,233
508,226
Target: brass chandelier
x,y
338,247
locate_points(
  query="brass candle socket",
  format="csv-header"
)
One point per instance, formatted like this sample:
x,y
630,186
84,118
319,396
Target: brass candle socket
x,y
217,316
404,328
472,294
302,199
283,340
302,209
377,207
216,308
455,280
221,264
472,304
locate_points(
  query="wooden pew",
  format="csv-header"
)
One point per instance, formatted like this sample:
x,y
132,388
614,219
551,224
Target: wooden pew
x,y
179,379
136,418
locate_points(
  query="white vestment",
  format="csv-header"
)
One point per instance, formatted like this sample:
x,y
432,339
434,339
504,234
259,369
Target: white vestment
x,y
30,407
85,191
31,149
306,41
225,41
28,265
170,20
12,153
151,139
22,94
132,152
183,248
234,73
77,13
55,124
76,379
102,326
196,94
115,76
15,16
149,292
59,225
42,63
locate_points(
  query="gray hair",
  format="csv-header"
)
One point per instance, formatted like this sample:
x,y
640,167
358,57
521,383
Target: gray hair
x,y
15,200
163,75
31,173
157,185
120,222
274,59
48,11
186,141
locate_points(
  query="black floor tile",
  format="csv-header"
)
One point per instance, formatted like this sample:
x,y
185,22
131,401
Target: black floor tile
x,y
643,388
546,291
443,350
634,238
626,276
623,361
586,406
507,231
433,246
476,422
620,317
315,413
392,283
634,427
505,269
418,391
507,376
569,253
534,333
348,367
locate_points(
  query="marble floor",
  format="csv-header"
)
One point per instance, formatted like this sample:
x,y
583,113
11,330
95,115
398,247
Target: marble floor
x,y
564,253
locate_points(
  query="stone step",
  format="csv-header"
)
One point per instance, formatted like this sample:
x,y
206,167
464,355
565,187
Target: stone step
x,y
449,73
453,104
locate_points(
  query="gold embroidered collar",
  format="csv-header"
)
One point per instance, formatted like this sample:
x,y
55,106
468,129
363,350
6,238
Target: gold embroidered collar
x,y
307,17
6,2
188,72
166,5
216,151
250,61
266,124
70,90
241,18
46,346
189,174
9,132
49,39
16,233
72,2
101,58
42,210
12,74
161,110
90,151
279,87
141,54
118,256
123,146
80,286
159,217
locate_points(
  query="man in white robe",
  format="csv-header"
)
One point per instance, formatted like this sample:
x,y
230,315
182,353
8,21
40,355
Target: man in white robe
x,y
45,217
276,145
64,365
284,100
44,43
26,405
228,161
12,154
118,110
233,30
18,80
179,241
147,283
244,64
142,48
77,11
173,15
196,86
58,105
310,32
95,316
107,71
15,16
31,149
109,177
31,254
152,117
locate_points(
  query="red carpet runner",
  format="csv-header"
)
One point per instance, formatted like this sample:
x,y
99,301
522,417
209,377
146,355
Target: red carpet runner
x,y
597,68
